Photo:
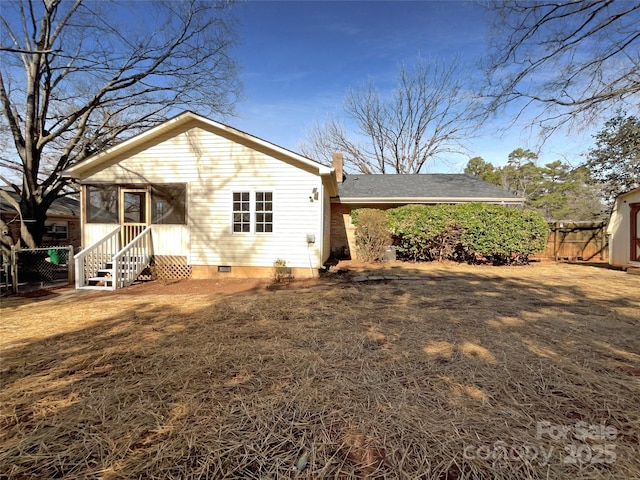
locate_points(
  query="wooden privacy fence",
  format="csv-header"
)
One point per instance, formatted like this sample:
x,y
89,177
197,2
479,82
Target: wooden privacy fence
x,y
581,241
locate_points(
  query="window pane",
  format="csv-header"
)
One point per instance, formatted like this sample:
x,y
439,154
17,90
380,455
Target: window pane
x,y
56,231
264,212
168,204
102,204
241,217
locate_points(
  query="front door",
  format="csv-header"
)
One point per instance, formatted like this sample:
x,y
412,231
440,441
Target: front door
x,y
635,232
134,213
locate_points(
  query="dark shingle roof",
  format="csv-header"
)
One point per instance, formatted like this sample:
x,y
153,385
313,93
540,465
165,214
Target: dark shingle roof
x,y
61,207
438,187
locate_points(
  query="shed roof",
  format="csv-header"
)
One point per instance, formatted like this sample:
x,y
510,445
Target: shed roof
x,y
633,191
421,188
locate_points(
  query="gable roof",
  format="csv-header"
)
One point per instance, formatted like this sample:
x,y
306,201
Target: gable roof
x,y
421,188
68,207
101,160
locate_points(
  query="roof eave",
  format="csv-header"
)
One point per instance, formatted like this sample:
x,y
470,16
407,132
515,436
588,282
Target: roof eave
x,y
92,163
77,170
328,175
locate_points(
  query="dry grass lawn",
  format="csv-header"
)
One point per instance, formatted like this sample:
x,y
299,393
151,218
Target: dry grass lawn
x,y
465,372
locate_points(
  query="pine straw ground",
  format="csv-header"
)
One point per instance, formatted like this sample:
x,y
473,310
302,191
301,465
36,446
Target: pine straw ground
x,y
468,372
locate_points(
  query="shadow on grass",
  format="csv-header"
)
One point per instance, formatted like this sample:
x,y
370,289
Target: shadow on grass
x,y
429,378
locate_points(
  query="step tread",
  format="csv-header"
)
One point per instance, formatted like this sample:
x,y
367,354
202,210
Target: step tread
x,y
100,279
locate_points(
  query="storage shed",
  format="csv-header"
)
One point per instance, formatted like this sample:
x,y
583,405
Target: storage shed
x,y
624,231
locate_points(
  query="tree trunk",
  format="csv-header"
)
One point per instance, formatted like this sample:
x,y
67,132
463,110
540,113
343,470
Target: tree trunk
x,y
34,215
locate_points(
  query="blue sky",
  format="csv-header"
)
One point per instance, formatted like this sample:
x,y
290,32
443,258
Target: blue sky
x,y
299,58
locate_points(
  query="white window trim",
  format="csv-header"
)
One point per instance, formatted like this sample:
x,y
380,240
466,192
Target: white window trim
x,y
252,211
57,227
254,218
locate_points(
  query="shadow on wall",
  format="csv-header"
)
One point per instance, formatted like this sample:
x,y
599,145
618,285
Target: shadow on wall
x,y
210,232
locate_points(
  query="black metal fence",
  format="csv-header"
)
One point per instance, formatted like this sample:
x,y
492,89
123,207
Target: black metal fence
x,y
28,269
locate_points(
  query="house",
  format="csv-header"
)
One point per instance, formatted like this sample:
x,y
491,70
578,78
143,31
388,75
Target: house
x,y
62,226
391,191
195,198
624,231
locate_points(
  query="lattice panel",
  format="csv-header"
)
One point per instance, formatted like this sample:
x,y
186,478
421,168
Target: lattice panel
x,y
168,267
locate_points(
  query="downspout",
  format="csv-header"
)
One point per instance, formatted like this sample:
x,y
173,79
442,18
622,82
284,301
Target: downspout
x,y
321,229
83,214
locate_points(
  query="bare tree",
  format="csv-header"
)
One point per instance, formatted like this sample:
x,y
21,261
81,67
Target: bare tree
x,y
75,76
564,63
427,114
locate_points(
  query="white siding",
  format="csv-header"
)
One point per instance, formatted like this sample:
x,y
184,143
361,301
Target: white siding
x,y
96,231
619,229
170,240
214,167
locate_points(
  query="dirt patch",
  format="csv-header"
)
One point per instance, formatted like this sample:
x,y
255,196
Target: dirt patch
x,y
198,287
461,372
219,287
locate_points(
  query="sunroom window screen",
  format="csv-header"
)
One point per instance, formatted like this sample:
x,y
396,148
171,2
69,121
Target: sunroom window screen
x,y
168,204
102,204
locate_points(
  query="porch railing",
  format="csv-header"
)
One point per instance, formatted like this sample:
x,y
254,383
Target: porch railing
x,y
95,256
129,262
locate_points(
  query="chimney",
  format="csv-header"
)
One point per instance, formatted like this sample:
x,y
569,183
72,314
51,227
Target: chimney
x,y
338,165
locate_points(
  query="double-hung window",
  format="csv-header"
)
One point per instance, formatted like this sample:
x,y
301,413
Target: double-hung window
x,y
264,212
252,212
56,231
241,212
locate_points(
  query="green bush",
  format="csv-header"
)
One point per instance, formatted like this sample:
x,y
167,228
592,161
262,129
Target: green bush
x,y
467,232
372,234
503,235
423,232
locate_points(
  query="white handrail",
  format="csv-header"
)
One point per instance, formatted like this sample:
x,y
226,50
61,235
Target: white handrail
x,y
94,245
129,262
94,256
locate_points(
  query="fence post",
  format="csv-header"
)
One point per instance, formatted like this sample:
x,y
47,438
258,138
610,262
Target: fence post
x,y
70,265
79,272
14,270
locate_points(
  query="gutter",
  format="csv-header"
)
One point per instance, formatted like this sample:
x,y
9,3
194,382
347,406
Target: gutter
x,y
409,200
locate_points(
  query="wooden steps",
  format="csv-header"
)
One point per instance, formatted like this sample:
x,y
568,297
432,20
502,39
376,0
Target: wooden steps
x,y
104,278
95,264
